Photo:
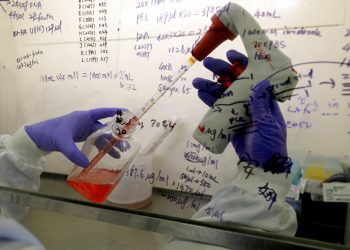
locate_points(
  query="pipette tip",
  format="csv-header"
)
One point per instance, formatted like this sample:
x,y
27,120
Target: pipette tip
x,y
191,60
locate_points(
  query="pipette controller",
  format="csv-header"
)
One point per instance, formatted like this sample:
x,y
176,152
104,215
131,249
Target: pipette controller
x,y
230,112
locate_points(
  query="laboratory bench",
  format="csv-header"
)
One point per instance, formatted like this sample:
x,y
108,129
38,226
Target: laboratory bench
x,y
59,215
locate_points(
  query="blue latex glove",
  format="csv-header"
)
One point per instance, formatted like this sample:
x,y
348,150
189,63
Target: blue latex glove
x,y
61,133
263,142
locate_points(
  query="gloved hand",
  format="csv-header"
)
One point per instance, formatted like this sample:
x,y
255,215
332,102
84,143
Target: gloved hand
x,y
264,142
61,133
119,146
209,91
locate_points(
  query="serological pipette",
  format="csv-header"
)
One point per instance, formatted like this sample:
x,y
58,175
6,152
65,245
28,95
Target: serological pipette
x,y
134,120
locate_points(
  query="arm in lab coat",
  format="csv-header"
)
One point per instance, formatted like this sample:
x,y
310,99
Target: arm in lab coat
x,y
21,166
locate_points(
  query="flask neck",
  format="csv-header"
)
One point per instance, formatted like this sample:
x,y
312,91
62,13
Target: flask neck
x,y
124,124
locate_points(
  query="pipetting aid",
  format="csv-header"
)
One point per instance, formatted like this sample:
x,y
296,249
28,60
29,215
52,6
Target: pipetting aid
x,y
230,112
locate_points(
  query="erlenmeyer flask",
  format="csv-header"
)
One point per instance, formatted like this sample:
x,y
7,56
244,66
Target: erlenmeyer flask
x,y
110,151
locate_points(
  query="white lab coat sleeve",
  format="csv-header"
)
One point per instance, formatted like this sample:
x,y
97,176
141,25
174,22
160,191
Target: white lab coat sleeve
x,y
254,198
21,165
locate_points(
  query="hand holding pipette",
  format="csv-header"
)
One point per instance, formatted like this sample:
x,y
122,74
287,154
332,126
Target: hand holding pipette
x,y
263,64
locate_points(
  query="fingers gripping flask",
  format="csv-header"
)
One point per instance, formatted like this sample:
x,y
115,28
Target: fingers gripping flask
x,y
115,148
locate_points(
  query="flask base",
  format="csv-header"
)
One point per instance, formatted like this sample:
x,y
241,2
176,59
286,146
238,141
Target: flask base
x,y
134,205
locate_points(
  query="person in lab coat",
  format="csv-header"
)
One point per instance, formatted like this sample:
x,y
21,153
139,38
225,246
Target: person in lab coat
x,y
256,196
21,163
264,171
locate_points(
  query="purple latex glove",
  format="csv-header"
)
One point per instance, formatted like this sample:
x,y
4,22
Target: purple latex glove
x,y
263,143
119,146
61,133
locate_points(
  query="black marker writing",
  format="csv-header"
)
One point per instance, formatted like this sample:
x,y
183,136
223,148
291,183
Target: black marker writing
x,y
268,193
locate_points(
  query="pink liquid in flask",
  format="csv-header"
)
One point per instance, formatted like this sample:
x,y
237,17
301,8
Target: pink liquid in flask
x,y
95,185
